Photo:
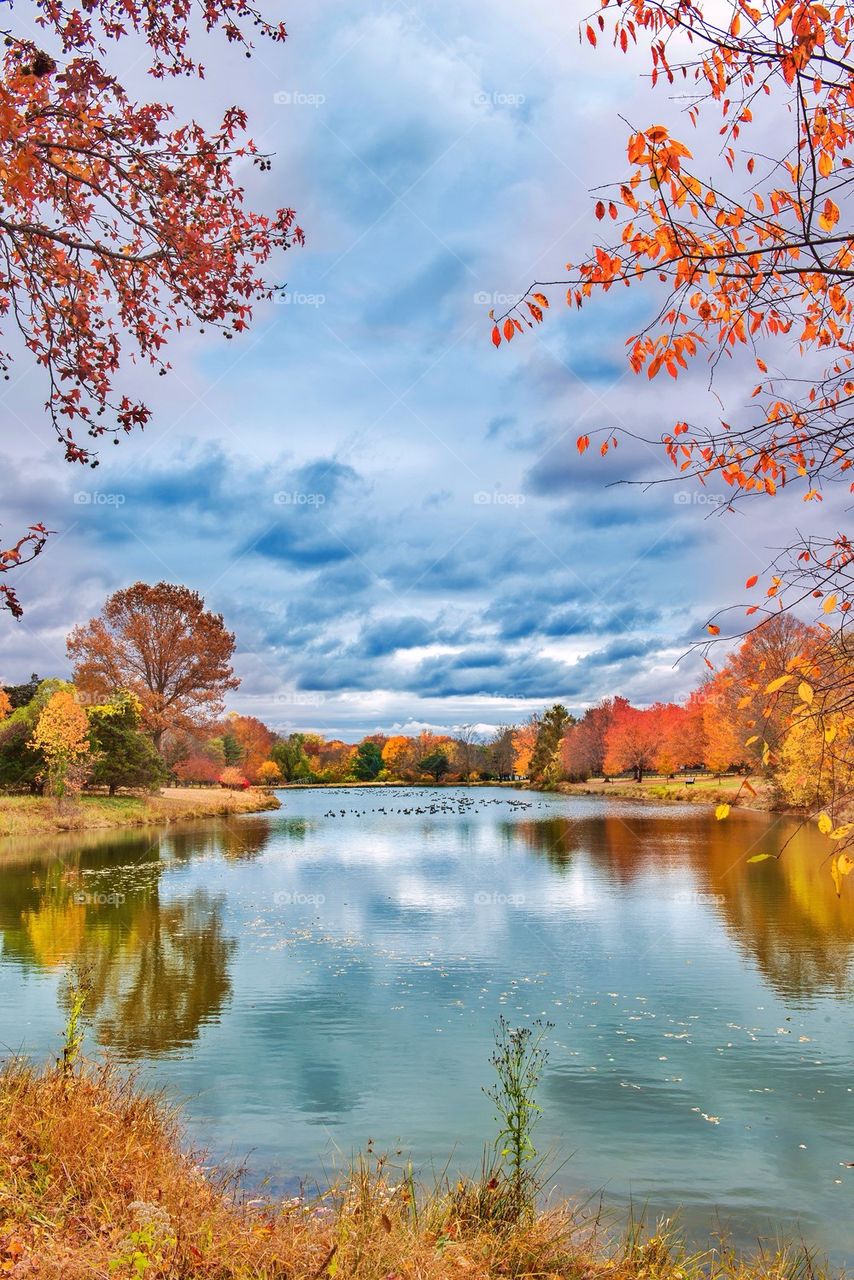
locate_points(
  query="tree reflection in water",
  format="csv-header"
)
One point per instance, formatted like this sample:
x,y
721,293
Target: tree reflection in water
x,y
158,970
784,914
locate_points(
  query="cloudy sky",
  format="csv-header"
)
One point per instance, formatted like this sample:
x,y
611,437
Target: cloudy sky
x,y
391,514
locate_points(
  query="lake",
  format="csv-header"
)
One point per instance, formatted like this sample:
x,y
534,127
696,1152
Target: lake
x,y
311,979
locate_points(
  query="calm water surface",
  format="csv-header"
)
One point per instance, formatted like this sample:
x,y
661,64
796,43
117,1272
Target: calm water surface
x,y
312,979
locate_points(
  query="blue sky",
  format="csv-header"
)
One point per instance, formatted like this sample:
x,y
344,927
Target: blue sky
x,y
390,514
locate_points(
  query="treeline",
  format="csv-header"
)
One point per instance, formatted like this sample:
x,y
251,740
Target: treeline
x,y
146,706
757,714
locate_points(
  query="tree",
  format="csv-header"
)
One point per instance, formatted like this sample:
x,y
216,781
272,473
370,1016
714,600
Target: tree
x,y
159,643
5,704
62,735
368,761
269,774
436,764
289,754
583,747
21,764
634,740
550,730
467,750
397,756
524,742
121,224
197,767
234,778
501,752
20,694
755,256
122,755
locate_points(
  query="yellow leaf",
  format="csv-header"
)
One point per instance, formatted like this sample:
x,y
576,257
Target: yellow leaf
x,y
841,832
805,693
830,733
825,826
745,701
829,604
841,866
722,812
760,857
778,683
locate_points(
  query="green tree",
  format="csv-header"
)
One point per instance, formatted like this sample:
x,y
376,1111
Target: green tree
x,y
368,761
123,756
552,727
436,764
289,754
21,694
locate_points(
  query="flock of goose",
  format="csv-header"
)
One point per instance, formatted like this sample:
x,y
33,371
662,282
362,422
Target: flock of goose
x,y
456,803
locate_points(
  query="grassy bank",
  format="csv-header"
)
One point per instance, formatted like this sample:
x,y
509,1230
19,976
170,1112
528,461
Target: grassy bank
x,y
94,1183
703,790
38,815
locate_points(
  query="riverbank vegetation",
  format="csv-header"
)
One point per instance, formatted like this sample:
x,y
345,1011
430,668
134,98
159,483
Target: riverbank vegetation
x,y
39,815
97,1182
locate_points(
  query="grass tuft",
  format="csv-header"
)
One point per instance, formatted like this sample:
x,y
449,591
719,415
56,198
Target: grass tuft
x,y
95,1182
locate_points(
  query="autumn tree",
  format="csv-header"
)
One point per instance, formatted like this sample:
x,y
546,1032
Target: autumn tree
x,y
751,250
584,744
634,740
552,725
269,774
197,768
397,756
62,735
500,752
160,643
122,223
524,743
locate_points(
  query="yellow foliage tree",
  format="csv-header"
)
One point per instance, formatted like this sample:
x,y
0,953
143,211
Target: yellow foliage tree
x,y
62,735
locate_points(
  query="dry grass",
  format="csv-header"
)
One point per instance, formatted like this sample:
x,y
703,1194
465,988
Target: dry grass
x,y
704,790
38,815
94,1183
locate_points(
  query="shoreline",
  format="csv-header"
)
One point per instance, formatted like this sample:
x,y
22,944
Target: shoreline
x,y
100,1181
38,815
658,791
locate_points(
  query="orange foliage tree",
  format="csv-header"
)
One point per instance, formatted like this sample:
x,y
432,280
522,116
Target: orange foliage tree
x,y
160,643
634,740
121,224
398,755
756,254
524,743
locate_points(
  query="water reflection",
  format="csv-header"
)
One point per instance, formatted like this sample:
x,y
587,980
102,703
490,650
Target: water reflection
x,y
312,979
784,914
158,968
